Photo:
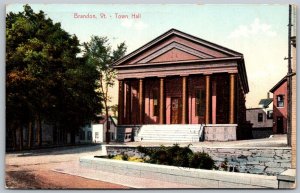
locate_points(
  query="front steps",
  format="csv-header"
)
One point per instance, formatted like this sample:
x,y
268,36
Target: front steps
x,y
170,133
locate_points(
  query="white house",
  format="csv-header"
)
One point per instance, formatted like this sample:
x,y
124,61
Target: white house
x,y
261,118
96,132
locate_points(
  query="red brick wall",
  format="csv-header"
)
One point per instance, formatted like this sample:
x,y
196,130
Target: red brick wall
x,y
280,111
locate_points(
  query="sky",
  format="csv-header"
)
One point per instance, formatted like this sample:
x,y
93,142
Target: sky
x,y
259,32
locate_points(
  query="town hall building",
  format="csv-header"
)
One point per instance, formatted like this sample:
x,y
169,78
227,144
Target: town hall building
x,y
182,83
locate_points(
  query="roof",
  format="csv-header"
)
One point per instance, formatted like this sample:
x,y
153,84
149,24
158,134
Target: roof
x,y
103,119
172,32
283,80
265,102
255,108
228,54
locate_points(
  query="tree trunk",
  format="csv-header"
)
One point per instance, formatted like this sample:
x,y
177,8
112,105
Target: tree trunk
x,y
72,137
20,137
107,123
39,130
29,135
55,141
14,135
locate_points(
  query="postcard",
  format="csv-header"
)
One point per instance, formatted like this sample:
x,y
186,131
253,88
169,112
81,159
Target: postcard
x,y
159,96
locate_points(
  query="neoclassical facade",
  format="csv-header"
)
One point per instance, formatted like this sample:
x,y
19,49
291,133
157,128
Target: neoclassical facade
x,y
178,78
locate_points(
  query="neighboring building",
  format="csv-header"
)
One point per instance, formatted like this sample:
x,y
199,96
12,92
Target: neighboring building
x,y
261,118
96,132
280,106
181,79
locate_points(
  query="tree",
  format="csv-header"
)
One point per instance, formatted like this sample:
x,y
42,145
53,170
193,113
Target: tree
x,y
98,51
114,109
45,81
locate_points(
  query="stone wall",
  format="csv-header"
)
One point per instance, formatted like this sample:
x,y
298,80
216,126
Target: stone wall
x,y
269,161
220,132
260,160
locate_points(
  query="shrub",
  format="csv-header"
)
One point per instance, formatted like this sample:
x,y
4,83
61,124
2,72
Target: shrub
x,y
124,157
202,160
177,156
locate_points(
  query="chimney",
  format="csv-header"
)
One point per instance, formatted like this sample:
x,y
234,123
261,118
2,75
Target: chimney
x,y
268,95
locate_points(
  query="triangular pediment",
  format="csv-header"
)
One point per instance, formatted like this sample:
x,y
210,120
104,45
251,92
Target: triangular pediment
x,y
173,46
174,55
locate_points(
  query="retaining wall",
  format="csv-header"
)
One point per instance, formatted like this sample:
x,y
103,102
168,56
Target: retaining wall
x,y
254,160
196,177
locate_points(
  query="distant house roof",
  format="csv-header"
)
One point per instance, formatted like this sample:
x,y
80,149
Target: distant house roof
x,y
102,119
283,80
255,108
265,102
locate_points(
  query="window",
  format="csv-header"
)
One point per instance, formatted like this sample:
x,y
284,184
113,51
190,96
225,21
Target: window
x,y
270,114
200,102
280,100
260,117
82,135
155,102
89,135
96,135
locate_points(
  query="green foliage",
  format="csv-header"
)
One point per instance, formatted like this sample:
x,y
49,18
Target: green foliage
x,y
177,156
99,53
44,78
201,160
125,157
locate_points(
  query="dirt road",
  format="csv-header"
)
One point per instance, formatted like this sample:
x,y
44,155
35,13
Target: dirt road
x,y
33,170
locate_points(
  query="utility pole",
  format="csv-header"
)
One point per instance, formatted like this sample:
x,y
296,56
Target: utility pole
x,y
289,80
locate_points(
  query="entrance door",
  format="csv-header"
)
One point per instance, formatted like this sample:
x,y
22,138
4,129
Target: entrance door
x,y
279,124
175,110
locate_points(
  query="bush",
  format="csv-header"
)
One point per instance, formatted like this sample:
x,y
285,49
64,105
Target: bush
x,y
177,156
124,157
202,160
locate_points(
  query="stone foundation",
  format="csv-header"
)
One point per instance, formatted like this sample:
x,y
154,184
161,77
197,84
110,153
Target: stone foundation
x,y
220,132
254,160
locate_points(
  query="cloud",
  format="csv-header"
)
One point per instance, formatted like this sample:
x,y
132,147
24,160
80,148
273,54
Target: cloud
x,y
127,23
253,29
131,24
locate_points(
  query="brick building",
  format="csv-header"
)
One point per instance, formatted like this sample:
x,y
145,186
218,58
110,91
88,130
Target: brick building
x,y
180,79
280,106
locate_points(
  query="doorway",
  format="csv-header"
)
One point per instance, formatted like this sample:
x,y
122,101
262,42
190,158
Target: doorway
x,y
279,125
176,107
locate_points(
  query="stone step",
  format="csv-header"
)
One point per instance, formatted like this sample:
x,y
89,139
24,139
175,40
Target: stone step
x,y
169,133
170,140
